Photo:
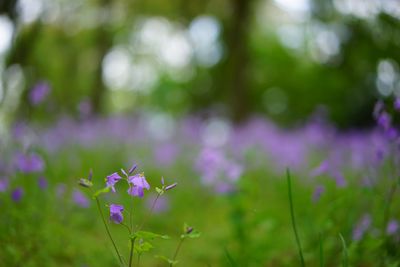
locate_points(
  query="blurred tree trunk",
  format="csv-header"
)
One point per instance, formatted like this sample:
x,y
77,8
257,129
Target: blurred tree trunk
x,y
235,76
104,43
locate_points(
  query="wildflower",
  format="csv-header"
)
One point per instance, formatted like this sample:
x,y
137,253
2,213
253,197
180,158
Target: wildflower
x,y
3,184
361,227
80,199
42,183
319,190
112,179
39,93
29,163
138,183
392,227
396,104
17,194
116,213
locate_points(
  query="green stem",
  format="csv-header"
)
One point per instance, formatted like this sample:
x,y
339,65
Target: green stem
x,y
292,217
149,213
177,250
108,231
131,253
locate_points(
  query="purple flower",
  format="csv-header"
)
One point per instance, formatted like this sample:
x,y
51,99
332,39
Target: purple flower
x,y
161,205
138,183
384,120
17,194
392,227
39,93
80,199
116,213
361,227
29,163
396,104
319,190
3,184
42,183
112,179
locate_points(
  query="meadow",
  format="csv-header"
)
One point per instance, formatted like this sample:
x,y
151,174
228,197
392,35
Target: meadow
x,y
231,204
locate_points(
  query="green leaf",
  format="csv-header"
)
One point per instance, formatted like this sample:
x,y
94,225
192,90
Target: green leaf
x,y
159,191
194,234
171,262
101,191
143,247
148,235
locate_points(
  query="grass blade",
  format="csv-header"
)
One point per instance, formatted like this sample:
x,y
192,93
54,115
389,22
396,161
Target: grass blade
x,y
345,261
321,252
292,217
230,259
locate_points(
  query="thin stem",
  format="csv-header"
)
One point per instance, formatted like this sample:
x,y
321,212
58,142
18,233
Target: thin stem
x,y
127,227
177,250
131,253
138,259
321,252
149,213
345,257
292,217
108,231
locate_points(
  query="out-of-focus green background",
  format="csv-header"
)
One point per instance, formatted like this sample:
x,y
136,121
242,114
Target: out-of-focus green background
x,y
280,58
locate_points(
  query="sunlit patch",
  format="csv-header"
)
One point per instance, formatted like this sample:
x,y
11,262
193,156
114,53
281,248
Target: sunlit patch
x,y
6,33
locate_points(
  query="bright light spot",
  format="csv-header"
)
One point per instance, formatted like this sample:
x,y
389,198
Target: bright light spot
x,y
30,10
152,34
204,32
216,133
291,36
161,126
325,43
143,76
387,77
297,8
275,100
6,33
176,51
117,68
367,8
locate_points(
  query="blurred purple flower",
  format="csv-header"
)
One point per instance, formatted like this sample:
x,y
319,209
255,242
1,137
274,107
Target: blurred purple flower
x,y
17,194
160,206
396,104
138,183
384,120
85,108
42,183
116,213
29,163
361,227
319,190
60,190
112,179
39,93
80,199
3,184
392,227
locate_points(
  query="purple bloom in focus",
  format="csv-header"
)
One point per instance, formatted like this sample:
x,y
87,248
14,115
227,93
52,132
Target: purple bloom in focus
x,y
17,194
80,199
112,179
392,227
29,163
42,183
138,183
319,190
39,93
361,227
116,213
3,184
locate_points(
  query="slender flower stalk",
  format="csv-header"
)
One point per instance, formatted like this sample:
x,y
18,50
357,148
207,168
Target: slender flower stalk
x,y
149,213
177,250
108,231
131,252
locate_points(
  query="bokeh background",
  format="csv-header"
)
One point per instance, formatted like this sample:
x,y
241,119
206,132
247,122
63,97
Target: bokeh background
x,y
220,96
